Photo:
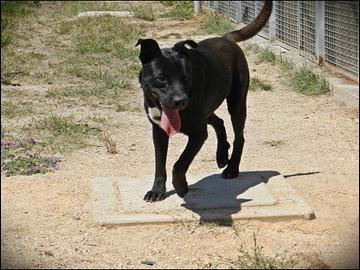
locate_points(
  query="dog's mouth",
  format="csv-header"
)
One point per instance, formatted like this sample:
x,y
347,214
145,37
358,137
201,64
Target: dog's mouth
x,y
170,120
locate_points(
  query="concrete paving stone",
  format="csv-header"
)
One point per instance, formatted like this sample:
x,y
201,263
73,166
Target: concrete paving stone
x,y
253,195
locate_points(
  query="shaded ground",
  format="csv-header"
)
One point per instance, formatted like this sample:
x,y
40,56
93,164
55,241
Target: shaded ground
x,y
45,218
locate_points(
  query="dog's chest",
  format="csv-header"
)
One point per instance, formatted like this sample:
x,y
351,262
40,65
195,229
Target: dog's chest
x,y
154,114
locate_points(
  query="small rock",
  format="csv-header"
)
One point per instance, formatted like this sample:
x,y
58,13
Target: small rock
x,y
49,253
148,262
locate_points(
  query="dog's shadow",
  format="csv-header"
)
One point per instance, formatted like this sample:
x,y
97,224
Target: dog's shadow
x,y
215,199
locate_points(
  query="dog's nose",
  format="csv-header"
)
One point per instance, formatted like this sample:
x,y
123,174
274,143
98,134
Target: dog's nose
x,y
180,101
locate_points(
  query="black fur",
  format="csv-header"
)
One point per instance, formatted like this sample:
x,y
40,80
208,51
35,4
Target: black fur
x,y
201,78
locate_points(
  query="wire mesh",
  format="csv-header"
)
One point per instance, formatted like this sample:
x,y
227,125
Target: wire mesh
x,y
247,11
295,26
233,10
342,34
223,7
307,27
258,7
286,22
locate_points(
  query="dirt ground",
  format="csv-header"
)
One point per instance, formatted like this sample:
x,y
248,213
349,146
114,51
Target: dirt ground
x,y
46,222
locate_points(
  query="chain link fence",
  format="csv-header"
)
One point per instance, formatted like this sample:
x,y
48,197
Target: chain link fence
x,y
321,30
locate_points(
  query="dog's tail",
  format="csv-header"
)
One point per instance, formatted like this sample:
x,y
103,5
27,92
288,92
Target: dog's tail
x,y
252,28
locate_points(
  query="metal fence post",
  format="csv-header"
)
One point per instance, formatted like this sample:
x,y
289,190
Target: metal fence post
x,y
197,7
320,31
272,23
216,5
238,12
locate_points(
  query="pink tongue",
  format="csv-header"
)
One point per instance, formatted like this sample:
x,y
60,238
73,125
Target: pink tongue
x,y
170,120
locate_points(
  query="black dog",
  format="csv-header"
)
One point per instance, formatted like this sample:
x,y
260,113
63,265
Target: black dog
x,y
182,89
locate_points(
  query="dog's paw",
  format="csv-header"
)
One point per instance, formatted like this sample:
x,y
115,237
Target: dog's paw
x,y
222,156
230,173
154,196
182,191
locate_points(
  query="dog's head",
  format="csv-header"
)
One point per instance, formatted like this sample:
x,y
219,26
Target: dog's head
x,y
166,76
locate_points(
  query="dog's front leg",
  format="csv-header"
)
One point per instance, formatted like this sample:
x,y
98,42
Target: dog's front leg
x,y
161,141
181,166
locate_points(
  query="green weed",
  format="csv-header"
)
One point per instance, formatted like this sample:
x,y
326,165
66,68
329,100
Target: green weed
x,y
105,34
259,84
10,11
265,55
10,109
143,12
256,259
180,10
17,158
215,23
306,81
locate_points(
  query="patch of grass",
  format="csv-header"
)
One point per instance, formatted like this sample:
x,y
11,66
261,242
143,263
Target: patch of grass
x,y
285,65
274,142
143,12
20,109
259,84
180,10
256,259
59,125
265,55
17,158
62,134
105,34
303,80
66,27
10,12
251,47
5,39
215,23
306,81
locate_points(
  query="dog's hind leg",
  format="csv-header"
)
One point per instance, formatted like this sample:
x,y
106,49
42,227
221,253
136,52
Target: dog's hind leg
x,y
223,146
236,102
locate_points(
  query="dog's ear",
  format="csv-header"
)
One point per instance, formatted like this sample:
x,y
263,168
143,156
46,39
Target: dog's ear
x,y
149,50
181,48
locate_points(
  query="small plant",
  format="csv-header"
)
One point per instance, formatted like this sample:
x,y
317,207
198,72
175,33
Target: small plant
x,y
65,126
265,55
274,142
180,10
108,142
11,110
286,65
306,81
18,159
251,47
9,11
256,83
143,12
215,23
256,259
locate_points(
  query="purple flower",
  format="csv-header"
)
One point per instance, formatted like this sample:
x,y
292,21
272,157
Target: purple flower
x,y
19,144
30,140
5,144
29,153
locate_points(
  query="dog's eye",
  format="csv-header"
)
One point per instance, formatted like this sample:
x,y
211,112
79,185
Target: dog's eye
x,y
161,78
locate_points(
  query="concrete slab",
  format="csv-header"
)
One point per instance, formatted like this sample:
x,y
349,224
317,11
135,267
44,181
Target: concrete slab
x,y
263,194
349,94
206,192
